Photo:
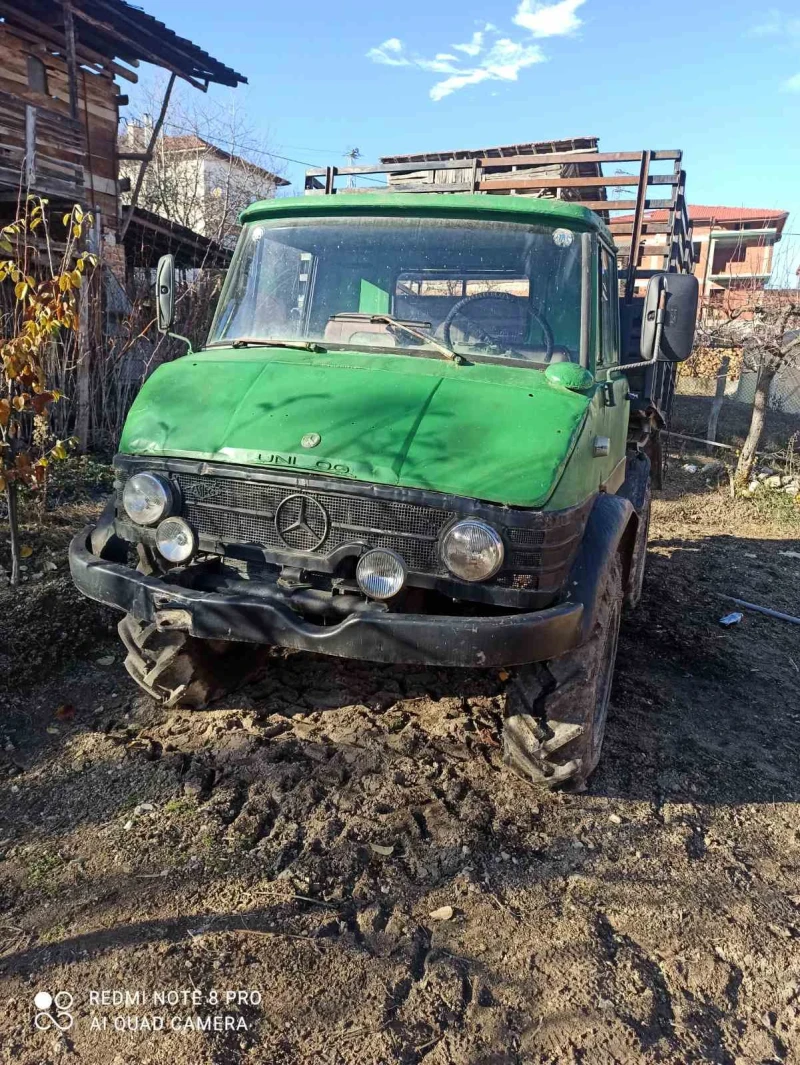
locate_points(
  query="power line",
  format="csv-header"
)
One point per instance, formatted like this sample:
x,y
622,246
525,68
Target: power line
x,y
266,153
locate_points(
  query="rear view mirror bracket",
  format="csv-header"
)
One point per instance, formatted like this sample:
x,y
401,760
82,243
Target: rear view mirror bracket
x,y
165,299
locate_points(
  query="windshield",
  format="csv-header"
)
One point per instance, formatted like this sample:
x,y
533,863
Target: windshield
x,y
490,289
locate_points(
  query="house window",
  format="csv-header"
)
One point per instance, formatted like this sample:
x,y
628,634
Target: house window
x,y
37,75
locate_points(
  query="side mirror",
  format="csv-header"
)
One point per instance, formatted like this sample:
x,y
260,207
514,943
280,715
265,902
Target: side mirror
x,y
680,319
669,317
165,293
651,317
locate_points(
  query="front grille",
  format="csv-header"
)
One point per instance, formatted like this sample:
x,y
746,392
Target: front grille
x,y
297,523
233,511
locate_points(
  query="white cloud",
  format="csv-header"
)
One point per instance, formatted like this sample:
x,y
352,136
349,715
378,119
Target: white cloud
x,y
792,84
777,24
389,54
458,81
474,47
549,20
488,55
502,62
439,65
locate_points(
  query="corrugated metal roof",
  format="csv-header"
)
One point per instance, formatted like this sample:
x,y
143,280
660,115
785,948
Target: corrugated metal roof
x,y
117,29
584,144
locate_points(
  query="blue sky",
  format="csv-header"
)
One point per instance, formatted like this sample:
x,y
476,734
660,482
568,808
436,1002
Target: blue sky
x,y
722,82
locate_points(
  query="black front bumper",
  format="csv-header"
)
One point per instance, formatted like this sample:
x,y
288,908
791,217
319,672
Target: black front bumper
x,y
377,636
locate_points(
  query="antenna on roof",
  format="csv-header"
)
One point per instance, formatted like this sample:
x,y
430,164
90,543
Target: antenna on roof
x,y
352,154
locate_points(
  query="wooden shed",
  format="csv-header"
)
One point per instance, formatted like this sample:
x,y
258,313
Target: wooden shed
x,y
60,63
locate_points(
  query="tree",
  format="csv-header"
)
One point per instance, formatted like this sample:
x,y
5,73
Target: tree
x,y
771,343
43,309
765,324
208,164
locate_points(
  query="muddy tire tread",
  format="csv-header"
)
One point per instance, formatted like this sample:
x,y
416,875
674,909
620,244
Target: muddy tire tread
x,y
179,670
551,732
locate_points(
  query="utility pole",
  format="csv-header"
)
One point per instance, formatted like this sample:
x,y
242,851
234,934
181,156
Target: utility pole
x,y
352,154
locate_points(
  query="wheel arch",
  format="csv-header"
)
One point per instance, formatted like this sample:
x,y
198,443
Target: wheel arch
x,y
610,532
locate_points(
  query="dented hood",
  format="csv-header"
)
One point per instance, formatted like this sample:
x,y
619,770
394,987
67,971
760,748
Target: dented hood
x,y
497,433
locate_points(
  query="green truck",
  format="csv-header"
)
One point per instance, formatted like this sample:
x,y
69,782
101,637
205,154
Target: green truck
x,y
423,429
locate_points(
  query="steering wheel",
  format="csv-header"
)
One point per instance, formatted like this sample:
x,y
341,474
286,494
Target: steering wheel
x,y
481,333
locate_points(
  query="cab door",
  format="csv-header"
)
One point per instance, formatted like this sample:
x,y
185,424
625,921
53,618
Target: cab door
x,y
613,385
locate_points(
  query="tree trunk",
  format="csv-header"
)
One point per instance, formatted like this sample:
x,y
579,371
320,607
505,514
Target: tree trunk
x,y
719,397
12,498
748,456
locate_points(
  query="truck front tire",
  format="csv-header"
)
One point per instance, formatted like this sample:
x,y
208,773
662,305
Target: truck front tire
x,y
555,715
178,670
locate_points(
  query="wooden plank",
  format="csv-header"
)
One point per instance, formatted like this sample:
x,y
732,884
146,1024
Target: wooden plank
x,y
494,161
103,185
574,182
72,59
591,205
626,228
30,146
44,31
622,205
568,157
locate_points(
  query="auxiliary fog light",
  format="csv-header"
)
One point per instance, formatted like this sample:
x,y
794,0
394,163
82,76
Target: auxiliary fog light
x,y
175,540
147,498
472,550
380,573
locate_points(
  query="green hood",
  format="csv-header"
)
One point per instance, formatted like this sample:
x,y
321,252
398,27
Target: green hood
x,y
491,432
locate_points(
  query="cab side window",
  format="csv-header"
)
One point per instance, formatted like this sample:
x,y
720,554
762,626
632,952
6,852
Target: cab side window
x,y
609,310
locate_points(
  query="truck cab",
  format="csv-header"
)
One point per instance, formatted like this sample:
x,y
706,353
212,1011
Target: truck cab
x,y
409,438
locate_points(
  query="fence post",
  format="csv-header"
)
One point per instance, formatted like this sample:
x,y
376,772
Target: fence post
x,y
30,146
91,291
719,396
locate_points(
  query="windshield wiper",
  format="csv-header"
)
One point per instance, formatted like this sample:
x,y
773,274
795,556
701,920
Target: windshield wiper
x,y
420,334
259,342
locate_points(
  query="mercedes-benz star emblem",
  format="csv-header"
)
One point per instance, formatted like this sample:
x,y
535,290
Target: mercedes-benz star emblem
x,y
301,523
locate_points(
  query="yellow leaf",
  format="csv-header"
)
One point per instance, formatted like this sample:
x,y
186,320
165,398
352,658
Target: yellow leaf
x,y
64,283
31,281
66,219
59,451
21,290
76,278
25,551
76,230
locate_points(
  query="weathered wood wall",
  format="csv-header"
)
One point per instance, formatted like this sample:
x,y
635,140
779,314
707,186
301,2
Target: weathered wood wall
x,y
67,153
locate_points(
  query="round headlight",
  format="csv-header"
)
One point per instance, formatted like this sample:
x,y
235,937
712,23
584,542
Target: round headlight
x,y
147,498
380,574
472,550
175,540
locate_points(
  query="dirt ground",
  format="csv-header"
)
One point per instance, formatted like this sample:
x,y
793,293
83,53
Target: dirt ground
x,y
299,846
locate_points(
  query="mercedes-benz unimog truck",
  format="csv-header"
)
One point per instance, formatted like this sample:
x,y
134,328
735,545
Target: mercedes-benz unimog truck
x,y
423,429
